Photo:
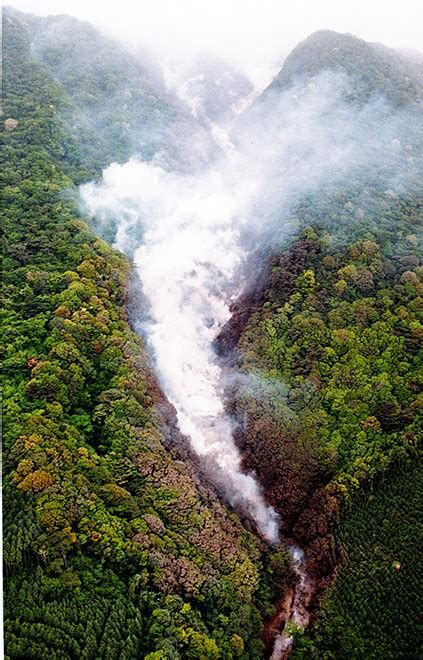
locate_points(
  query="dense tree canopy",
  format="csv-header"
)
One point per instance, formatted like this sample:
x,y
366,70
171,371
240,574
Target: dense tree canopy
x,y
373,609
329,399
112,547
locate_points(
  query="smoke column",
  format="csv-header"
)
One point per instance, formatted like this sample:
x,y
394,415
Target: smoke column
x,y
188,260
186,235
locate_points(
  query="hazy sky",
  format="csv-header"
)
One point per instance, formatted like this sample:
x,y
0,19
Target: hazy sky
x,y
254,34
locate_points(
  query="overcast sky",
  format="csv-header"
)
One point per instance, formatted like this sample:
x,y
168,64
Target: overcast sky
x,y
254,34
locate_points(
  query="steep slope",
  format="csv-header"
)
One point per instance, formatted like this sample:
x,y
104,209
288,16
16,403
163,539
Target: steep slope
x,y
107,521
358,72
112,546
374,68
328,339
373,609
122,105
214,88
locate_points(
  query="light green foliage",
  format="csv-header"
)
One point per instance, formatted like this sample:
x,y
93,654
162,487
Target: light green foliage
x,y
112,547
350,358
332,350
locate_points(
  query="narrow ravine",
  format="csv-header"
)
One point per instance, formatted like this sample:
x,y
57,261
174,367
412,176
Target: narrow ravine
x,y
294,608
182,235
184,240
212,342
186,234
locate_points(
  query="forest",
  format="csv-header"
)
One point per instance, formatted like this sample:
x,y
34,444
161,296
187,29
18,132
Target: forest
x,y
117,543
104,512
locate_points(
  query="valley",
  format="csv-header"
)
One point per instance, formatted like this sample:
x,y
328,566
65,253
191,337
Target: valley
x,y
212,332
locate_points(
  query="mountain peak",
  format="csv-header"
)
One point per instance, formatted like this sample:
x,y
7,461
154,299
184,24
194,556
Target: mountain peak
x,y
375,69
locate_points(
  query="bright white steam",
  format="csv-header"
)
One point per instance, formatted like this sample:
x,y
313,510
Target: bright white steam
x,y
187,261
188,236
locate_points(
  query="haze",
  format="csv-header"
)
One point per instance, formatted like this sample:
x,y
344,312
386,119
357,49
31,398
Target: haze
x,y
255,36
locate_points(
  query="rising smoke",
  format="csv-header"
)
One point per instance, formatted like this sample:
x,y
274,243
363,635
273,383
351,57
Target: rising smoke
x,y
191,237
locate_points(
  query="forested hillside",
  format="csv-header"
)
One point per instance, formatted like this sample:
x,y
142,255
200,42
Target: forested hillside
x,y
329,345
112,547
373,609
373,67
116,543
122,107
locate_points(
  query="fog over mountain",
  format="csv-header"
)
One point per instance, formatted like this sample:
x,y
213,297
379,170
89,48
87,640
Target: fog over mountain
x,y
251,37
212,330
191,236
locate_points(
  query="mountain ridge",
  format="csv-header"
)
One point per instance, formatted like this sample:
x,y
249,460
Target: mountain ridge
x,y
121,106
108,518
385,70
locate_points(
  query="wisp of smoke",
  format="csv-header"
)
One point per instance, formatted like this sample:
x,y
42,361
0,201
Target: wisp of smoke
x,y
186,234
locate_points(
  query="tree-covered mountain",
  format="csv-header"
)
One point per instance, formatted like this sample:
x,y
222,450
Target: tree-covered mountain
x,y
115,543
328,340
112,545
362,72
120,106
374,68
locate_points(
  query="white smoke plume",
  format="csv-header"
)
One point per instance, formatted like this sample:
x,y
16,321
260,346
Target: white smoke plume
x,y
188,237
187,259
